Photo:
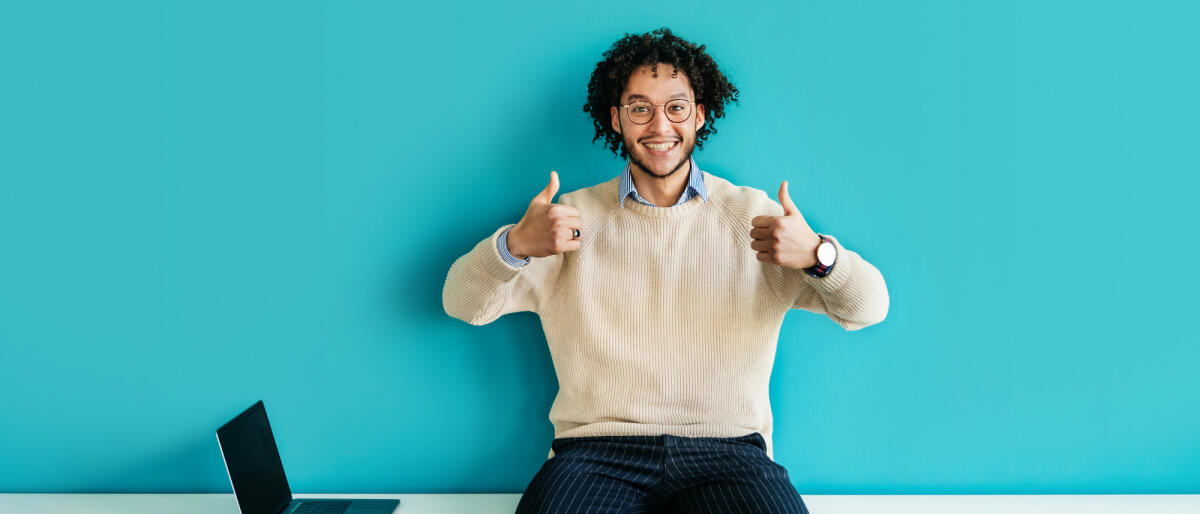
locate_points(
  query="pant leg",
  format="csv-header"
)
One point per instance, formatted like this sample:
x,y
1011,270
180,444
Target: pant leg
x,y
595,474
730,475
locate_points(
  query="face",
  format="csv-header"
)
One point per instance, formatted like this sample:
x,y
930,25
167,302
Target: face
x,y
643,85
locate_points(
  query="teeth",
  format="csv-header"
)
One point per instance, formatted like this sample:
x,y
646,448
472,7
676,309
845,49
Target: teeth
x,y
660,147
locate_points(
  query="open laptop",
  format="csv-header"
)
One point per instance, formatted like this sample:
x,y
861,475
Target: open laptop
x,y
252,460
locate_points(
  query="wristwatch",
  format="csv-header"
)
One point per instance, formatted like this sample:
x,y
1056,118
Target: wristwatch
x,y
826,257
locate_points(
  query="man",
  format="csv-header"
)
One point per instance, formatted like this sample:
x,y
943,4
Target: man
x,y
661,293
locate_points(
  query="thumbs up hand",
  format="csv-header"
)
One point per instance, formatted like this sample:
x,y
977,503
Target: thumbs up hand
x,y
785,240
547,228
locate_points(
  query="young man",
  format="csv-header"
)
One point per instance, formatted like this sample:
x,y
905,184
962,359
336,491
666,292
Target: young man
x,y
661,293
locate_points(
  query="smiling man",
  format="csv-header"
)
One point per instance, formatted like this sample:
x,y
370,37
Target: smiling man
x,y
661,293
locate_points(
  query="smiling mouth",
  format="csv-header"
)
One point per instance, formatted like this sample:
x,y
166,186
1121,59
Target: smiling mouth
x,y
661,148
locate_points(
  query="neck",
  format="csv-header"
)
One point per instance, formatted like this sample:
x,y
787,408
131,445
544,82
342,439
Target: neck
x,y
660,191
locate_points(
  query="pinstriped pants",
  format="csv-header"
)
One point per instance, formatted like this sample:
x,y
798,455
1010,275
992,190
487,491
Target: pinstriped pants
x,y
664,473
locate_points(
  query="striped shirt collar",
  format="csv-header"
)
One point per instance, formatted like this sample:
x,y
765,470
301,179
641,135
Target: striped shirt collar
x,y
695,185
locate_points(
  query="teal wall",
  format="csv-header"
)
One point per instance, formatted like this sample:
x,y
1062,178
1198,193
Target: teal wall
x,y
207,204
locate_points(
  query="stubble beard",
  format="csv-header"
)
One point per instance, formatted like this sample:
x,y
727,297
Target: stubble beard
x,y
633,145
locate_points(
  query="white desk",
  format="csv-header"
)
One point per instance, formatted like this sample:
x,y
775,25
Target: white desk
x,y
226,504
507,503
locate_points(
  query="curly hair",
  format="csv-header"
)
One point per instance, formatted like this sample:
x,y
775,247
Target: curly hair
x,y
611,75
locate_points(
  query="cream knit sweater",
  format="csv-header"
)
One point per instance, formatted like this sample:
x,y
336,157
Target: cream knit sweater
x,y
663,322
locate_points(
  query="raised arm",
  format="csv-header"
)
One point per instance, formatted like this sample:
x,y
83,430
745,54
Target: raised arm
x,y
851,293
481,286
486,283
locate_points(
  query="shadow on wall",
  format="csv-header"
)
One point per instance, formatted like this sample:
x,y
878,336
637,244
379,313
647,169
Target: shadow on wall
x,y
524,449
417,290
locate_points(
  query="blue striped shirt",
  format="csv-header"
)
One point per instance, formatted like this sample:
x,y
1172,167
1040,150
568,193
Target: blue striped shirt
x,y
695,186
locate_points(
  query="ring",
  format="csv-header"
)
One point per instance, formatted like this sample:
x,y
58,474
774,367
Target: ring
x,y
575,234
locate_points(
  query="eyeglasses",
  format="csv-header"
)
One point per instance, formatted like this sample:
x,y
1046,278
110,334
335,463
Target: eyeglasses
x,y
677,110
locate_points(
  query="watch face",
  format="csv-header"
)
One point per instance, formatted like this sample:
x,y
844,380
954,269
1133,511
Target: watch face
x,y
826,253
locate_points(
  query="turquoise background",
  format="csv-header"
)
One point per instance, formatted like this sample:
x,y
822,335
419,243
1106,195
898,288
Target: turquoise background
x,y
205,204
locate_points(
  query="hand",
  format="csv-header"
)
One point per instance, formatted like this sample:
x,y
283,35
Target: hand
x,y
785,240
547,228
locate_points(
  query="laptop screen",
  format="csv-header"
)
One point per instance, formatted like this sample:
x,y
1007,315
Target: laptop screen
x,y
253,463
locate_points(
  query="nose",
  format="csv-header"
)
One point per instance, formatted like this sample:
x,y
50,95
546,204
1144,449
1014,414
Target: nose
x,y
659,124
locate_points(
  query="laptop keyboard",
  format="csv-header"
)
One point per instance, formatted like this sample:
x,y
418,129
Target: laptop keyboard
x,y
321,507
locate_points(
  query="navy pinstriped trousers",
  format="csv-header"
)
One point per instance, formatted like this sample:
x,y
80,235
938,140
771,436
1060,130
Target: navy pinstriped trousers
x,y
662,474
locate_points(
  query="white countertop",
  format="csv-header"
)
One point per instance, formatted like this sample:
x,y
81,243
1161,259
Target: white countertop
x,y
507,503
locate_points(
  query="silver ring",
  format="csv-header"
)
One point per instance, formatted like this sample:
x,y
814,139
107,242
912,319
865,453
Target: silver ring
x,y
575,234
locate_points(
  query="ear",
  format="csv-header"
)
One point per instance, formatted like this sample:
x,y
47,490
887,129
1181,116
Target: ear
x,y
616,119
699,116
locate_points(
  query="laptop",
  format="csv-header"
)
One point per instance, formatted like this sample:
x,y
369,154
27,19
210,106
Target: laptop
x,y
252,460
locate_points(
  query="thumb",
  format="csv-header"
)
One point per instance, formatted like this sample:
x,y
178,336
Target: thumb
x,y
551,189
786,200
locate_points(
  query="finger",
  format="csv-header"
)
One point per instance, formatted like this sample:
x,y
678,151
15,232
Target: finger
x,y
762,221
567,233
547,194
571,246
569,211
786,200
762,246
762,233
765,256
564,220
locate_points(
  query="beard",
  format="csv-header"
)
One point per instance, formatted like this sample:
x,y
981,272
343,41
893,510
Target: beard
x,y
688,146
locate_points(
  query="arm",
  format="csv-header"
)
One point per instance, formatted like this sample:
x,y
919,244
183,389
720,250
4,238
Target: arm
x,y
853,294
481,286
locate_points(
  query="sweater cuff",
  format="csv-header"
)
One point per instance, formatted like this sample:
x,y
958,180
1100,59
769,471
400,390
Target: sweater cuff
x,y
843,267
491,260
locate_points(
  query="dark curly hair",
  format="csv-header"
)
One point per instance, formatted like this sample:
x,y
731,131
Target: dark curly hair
x,y
608,81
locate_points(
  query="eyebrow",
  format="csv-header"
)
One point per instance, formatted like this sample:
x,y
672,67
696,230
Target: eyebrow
x,y
643,97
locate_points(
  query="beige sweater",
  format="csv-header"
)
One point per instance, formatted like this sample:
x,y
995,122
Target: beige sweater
x,y
663,322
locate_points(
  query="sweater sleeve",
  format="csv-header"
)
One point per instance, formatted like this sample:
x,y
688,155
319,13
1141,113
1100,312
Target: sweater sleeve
x,y
481,286
853,294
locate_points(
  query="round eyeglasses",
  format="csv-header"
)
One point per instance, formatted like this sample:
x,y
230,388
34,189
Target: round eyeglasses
x,y
640,112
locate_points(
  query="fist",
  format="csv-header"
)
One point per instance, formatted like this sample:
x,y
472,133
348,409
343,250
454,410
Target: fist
x,y
785,240
546,228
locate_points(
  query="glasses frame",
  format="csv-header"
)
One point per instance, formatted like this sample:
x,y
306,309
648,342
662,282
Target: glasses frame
x,y
654,110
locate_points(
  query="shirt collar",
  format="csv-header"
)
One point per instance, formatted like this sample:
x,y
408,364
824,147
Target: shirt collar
x,y
695,183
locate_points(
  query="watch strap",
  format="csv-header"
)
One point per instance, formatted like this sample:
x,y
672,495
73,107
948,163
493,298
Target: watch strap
x,y
819,270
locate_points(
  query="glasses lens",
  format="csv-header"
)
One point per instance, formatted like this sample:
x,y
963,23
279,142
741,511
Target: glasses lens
x,y
641,112
678,110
